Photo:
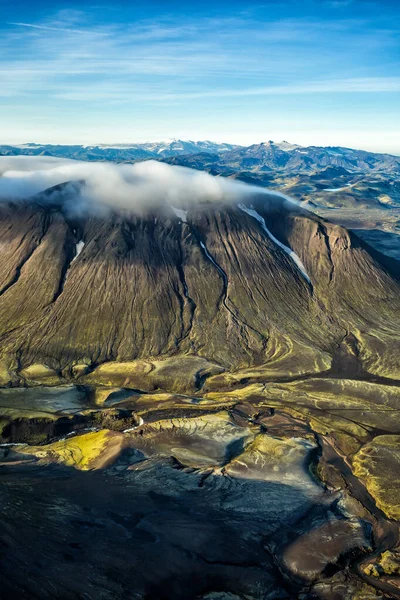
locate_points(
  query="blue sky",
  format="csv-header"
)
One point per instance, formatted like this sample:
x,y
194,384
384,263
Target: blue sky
x,y
311,72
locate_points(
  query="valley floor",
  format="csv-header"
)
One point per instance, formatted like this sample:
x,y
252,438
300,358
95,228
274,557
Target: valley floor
x,y
278,490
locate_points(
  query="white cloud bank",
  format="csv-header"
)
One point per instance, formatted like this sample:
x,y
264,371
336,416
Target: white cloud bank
x,y
134,188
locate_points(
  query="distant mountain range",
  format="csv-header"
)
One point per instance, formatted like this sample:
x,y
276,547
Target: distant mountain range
x,y
264,157
119,152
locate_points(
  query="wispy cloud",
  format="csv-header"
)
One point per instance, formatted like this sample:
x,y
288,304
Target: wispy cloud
x,y
68,57
47,28
96,67
337,86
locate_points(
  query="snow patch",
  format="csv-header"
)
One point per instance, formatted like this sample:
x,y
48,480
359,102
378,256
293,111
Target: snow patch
x,y
78,249
181,214
339,189
295,258
6,445
216,265
141,422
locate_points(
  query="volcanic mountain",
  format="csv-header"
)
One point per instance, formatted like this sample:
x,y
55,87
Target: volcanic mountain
x,y
199,390
185,294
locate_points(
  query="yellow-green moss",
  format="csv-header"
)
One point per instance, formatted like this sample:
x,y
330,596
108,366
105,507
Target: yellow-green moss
x,y
390,563
101,394
89,451
378,465
40,374
371,570
173,374
5,377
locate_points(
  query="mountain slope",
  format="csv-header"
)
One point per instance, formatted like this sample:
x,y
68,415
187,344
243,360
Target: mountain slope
x,y
213,281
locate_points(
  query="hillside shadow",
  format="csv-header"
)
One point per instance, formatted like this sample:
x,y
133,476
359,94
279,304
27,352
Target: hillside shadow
x,y
386,242
148,529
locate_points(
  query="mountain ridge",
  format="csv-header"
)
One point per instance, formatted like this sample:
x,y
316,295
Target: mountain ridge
x,y
273,155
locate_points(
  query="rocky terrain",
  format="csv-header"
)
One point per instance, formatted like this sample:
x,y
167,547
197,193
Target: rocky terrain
x,y
199,400
270,491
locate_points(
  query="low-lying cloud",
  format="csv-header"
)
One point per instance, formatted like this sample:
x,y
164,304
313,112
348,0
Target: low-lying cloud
x,y
134,188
